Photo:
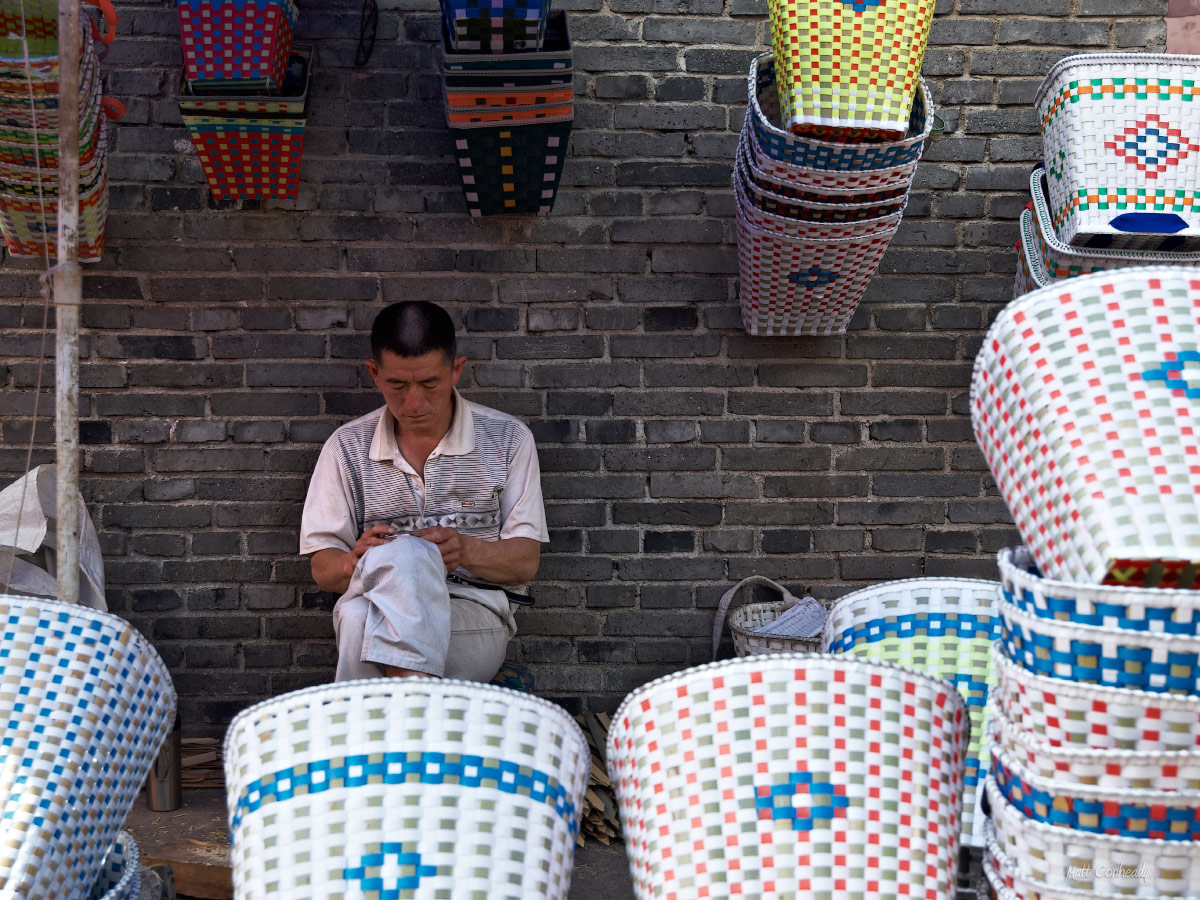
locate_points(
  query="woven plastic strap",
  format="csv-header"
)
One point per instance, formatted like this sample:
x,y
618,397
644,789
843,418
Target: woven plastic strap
x,y
723,607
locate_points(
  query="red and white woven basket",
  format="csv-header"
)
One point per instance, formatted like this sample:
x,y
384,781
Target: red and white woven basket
x,y
1084,401
791,775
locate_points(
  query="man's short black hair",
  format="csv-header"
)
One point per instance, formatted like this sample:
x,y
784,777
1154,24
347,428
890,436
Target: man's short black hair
x,y
413,328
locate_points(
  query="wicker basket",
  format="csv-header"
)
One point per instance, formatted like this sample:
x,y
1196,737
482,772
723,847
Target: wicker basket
x,y
1069,714
507,169
554,55
849,68
790,285
247,158
120,875
236,46
1066,859
1113,657
1177,770
1156,815
1121,145
495,27
1061,260
769,775
1080,402
847,157
745,622
799,228
30,224
1148,610
457,788
72,773
871,184
846,209
1030,274
942,626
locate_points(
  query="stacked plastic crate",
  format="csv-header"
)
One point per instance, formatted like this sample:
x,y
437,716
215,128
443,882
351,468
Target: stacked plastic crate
x,y
1121,183
244,94
827,157
508,79
29,126
1084,401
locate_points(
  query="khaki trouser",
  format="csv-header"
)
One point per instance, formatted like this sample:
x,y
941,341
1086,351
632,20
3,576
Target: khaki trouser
x,y
399,610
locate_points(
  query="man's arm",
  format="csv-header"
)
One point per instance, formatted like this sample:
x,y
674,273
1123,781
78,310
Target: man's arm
x,y
332,568
506,561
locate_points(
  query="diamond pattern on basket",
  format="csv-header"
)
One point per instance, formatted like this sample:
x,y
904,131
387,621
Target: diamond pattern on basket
x,y
394,869
861,5
1181,374
802,801
466,770
814,277
1152,145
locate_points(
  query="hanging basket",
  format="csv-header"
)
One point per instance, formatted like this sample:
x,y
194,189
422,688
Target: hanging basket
x,y
1030,274
249,158
1122,148
511,168
236,46
814,211
848,69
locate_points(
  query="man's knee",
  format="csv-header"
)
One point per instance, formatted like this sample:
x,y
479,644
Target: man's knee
x,y
350,623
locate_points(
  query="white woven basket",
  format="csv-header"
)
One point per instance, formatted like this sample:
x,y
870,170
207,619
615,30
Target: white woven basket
x,y
1114,657
121,875
1148,610
768,775
1121,139
1066,713
1030,274
805,230
87,703
413,787
942,626
1108,866
1060,260
1080,402
1177,770
745,622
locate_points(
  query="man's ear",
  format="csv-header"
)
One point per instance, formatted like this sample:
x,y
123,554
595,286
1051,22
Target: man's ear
x,y
458,368
372,369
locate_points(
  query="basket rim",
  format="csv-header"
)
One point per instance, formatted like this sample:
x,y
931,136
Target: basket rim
x,y
1083,60
1173,598
1098,633
1033,256
738,629
1043,224
904,143
1040,888
903,173
365,687
740,168
133,858
1070,753
1007,668
782,660
755,230
875,223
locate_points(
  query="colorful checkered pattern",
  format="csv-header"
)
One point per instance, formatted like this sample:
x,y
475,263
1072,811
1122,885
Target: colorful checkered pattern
x,y
1030,275
249,159
849,68
416,788
120,876
790,775
236,44
87,703
1094,459
516,169
495,26
1119,134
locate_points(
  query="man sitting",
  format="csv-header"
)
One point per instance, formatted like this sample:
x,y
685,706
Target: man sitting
x,y
419,511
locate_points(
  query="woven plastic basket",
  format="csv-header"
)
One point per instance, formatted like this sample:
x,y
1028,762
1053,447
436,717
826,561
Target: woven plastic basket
x,y
30,224
503,26
1157,815
849,68
247,158
288,105
1066,713
554,55
509,169
87,703
805,151
1081,402
1030,274
868,184
120,875
1151,610
777,775
1178,770
746,621
1106,865
1114,657
942,626
1122,146
846,210
791,286
800,228
1061,260
236,45
404,788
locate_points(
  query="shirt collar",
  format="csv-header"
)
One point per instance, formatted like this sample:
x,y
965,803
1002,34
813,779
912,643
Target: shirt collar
x,y
458,441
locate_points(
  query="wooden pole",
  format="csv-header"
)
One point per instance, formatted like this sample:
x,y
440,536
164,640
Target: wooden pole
x,y
68,297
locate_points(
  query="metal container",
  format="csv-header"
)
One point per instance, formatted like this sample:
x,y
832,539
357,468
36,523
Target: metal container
x,y
164,787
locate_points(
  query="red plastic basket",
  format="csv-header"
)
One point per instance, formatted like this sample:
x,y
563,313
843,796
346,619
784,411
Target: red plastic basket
x,y
249,159
238,45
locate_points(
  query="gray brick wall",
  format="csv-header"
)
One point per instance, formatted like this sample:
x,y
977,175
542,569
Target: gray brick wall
x,y
222,341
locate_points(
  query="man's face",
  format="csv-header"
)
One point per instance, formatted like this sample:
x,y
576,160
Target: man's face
x,y
418,390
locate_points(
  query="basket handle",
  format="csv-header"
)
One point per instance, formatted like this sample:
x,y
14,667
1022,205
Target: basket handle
x,y
110,19
789,599
114,109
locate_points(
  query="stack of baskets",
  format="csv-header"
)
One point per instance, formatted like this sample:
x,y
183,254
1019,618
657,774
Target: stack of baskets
x,y
814,216
1121,140
244,95
1082,403
29,160
508,78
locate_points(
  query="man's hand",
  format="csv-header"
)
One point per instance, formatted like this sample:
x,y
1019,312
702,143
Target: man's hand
x,y
448,541
372,537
